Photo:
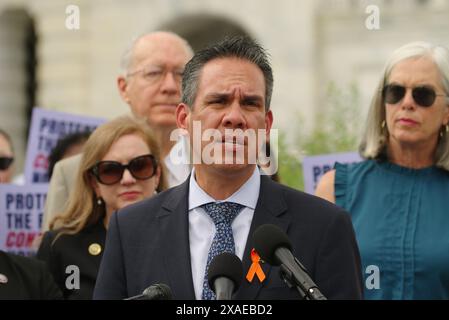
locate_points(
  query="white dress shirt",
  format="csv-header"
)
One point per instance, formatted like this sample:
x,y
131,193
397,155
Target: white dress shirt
x,y
202,228
177,163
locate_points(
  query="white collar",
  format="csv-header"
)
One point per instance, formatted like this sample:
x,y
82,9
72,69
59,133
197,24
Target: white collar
x,y
247,195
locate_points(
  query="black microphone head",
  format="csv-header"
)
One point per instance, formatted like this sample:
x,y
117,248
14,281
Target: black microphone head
x,y
267,238
225,265
158,291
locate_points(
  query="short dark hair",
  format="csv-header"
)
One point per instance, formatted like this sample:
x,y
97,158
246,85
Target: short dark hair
x,y
241,47
8,138
63,144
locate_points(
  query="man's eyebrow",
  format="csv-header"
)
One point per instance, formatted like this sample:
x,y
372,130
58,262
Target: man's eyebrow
x,y
227,95
255,97
218,95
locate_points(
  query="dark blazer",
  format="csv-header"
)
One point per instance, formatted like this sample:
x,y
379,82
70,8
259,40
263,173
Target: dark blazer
x,y
148,243
74,250
26,279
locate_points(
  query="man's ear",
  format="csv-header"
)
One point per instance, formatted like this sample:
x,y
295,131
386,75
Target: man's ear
x,y
268,121
182,116
122,86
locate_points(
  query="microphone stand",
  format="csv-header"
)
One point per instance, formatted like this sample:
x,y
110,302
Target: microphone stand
x,y
307,289
138,297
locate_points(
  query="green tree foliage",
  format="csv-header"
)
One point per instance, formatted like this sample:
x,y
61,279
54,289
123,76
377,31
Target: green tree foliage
x,y
337,129
289,168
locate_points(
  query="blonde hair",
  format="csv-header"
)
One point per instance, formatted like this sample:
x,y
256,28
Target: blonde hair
x,y
375,139
82,208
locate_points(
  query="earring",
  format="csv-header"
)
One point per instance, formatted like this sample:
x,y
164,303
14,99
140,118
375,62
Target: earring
x,y
99,202
383,124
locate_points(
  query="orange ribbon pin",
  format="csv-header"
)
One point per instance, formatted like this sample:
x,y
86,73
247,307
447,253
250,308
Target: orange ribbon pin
x,y
255,268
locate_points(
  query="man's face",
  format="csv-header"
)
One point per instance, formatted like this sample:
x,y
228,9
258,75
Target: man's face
x,y
5,152
230,96
153,85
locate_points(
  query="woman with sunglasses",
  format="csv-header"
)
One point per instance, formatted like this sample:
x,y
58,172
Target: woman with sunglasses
x,y
397,197
6,157
119,166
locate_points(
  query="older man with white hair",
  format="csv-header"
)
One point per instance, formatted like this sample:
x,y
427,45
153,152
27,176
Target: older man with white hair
x,y
150,84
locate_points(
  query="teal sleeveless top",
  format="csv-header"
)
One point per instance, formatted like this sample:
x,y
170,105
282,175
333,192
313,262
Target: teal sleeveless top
x,y
401,220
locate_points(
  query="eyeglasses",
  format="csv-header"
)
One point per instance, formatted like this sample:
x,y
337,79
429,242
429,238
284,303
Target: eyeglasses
x,y
5,162
153,74
424,96
111,172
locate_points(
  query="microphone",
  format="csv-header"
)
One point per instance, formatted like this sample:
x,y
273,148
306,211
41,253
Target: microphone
x,y
273,246
225,275
158,291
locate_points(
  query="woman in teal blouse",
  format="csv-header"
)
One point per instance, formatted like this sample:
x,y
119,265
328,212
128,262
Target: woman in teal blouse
x,y
399,196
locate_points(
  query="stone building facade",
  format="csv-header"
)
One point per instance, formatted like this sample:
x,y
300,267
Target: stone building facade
x,y
312,43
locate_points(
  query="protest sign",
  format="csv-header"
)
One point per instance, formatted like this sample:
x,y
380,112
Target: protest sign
x,y
21,210
315,166
47,127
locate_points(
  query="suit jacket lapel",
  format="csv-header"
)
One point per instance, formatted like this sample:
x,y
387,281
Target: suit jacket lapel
x,y
174,228
269,209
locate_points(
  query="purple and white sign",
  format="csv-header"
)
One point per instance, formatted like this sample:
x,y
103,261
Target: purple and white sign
x,y
21,210
47,127
315,166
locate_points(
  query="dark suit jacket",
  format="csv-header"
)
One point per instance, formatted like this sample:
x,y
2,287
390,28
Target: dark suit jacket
x,y
74,250
27,278
148,243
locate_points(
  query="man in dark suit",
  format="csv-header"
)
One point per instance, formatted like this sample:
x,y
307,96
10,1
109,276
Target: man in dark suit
x,y
172,237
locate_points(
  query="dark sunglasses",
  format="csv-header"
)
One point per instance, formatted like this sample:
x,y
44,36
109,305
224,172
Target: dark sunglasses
x,y
424,96
111,172
5,162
